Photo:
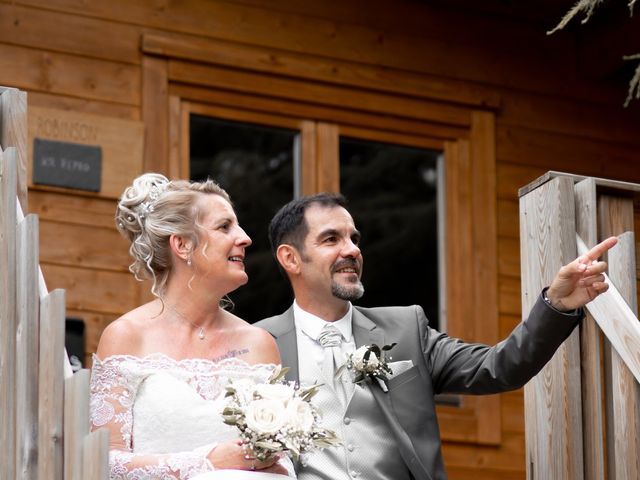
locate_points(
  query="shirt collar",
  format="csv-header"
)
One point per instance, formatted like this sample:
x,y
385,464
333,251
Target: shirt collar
x,y
311,325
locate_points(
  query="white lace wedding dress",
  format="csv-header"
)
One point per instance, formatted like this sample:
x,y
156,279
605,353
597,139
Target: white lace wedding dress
x,y
165,415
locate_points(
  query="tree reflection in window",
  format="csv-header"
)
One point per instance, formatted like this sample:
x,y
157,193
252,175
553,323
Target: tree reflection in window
x,y
393,197
255,165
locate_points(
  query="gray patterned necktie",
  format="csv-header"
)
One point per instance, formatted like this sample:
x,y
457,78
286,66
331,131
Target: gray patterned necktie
x,y
330,339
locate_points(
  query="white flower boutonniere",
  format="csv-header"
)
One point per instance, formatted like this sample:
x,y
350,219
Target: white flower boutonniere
x,y
369,361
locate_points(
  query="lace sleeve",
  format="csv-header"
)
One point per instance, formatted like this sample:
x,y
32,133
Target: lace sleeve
x,y
113,390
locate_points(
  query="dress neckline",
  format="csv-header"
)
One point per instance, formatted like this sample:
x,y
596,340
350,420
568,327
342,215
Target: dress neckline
x,y
162,359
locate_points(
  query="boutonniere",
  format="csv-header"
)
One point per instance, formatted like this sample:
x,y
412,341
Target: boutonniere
x,y
370,362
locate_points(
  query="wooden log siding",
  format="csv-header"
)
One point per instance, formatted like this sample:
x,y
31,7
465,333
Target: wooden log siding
x,y
92,60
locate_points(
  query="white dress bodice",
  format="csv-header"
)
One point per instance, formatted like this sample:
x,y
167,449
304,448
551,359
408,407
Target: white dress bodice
x,y
164,415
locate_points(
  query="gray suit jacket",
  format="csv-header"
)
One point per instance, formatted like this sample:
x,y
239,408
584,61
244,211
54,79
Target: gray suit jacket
x,y
441,364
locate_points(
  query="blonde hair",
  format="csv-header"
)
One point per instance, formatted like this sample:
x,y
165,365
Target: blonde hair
x,y
151,210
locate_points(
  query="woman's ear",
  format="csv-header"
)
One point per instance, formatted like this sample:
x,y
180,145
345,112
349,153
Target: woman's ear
x,y
181,247
289,259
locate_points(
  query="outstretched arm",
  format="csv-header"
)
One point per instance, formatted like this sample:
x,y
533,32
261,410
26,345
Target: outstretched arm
x,y
582,280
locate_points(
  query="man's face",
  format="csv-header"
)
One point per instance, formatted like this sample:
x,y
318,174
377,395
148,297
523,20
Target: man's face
x,y
331,258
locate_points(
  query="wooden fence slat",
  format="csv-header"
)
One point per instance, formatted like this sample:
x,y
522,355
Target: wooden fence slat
x,y
76,422
27,332
618,322
592,418
95,465
51,383
623,399
8,184
553,418
13,133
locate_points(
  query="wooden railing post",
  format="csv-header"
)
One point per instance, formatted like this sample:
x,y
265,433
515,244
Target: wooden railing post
x,y
51,388
602,208
13,133
590,338
8,182
553,413
623,391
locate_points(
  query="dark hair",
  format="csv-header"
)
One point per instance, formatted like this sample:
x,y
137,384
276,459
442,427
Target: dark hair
x,y
288,225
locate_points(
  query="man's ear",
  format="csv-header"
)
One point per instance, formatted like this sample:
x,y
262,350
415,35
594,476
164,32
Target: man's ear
x,y
289,258
181,247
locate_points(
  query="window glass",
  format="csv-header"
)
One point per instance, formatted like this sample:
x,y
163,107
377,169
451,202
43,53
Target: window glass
x,y
255,165
392,193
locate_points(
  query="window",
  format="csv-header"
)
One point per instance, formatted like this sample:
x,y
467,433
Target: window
x,y
255,164
392,192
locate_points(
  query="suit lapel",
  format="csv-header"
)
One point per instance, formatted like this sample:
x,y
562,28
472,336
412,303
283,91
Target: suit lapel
x,y
288,345
365,332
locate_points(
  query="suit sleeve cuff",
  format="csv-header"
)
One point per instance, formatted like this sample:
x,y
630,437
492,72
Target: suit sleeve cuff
x,y
573,314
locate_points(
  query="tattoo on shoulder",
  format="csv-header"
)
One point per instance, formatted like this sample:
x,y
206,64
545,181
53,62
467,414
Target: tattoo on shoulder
x,y
231,354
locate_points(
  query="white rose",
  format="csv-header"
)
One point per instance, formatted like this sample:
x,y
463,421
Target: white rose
x,y
279,391
299,415
265,416
359,362
244,389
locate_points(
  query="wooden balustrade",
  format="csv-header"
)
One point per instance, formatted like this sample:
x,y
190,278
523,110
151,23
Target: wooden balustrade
x,y
44,420
581,410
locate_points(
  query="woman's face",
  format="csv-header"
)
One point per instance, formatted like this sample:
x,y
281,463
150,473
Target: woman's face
x,y
221,251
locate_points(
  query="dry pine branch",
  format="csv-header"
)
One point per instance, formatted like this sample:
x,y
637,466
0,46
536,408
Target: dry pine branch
x,y
588,6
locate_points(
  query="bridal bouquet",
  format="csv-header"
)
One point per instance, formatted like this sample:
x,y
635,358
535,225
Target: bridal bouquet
x,y
276,416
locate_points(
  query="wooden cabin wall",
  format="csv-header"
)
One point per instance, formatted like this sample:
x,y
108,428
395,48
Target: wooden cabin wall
x,y
85,57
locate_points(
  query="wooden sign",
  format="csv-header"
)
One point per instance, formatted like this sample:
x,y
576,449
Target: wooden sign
x,y
119,141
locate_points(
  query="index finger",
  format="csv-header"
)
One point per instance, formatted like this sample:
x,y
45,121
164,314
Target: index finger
x,y
601,248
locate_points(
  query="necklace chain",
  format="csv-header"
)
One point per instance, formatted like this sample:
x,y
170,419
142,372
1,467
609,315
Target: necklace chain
x,y
201,333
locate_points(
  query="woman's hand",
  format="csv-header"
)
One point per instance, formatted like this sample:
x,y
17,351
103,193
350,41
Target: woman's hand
x,y
231,455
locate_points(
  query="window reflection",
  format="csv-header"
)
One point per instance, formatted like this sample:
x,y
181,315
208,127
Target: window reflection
x,y
393,196
255,165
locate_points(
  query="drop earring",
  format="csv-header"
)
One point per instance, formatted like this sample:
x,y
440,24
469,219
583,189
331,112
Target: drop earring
x,y
189,261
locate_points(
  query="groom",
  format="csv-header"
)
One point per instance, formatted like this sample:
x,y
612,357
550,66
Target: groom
x,y
390,430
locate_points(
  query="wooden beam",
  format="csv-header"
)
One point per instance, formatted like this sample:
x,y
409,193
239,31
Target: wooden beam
x,y
13,133
318,68
76,423
8,198
590,338
627,188
317,93
155,114
95,455
618,322
484,266
553,406
308,158
328,158
51,384
623,393
27,334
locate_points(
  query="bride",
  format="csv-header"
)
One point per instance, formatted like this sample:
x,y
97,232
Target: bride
x,y
159,375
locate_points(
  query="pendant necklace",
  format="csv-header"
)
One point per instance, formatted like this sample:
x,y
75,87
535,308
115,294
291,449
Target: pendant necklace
x,y
200,328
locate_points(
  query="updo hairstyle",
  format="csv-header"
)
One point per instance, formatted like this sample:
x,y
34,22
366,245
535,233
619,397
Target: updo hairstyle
x,y
150,211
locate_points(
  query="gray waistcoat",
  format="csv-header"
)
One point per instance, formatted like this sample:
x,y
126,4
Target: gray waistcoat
x,y
369,451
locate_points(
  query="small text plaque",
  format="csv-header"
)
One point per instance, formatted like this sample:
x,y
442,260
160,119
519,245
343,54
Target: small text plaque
x,y
68,165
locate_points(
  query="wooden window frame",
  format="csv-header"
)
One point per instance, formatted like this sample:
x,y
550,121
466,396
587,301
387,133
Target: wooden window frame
x,y
176,84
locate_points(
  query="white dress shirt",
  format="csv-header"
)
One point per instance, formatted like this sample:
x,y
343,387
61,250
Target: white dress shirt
x,y
308,327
